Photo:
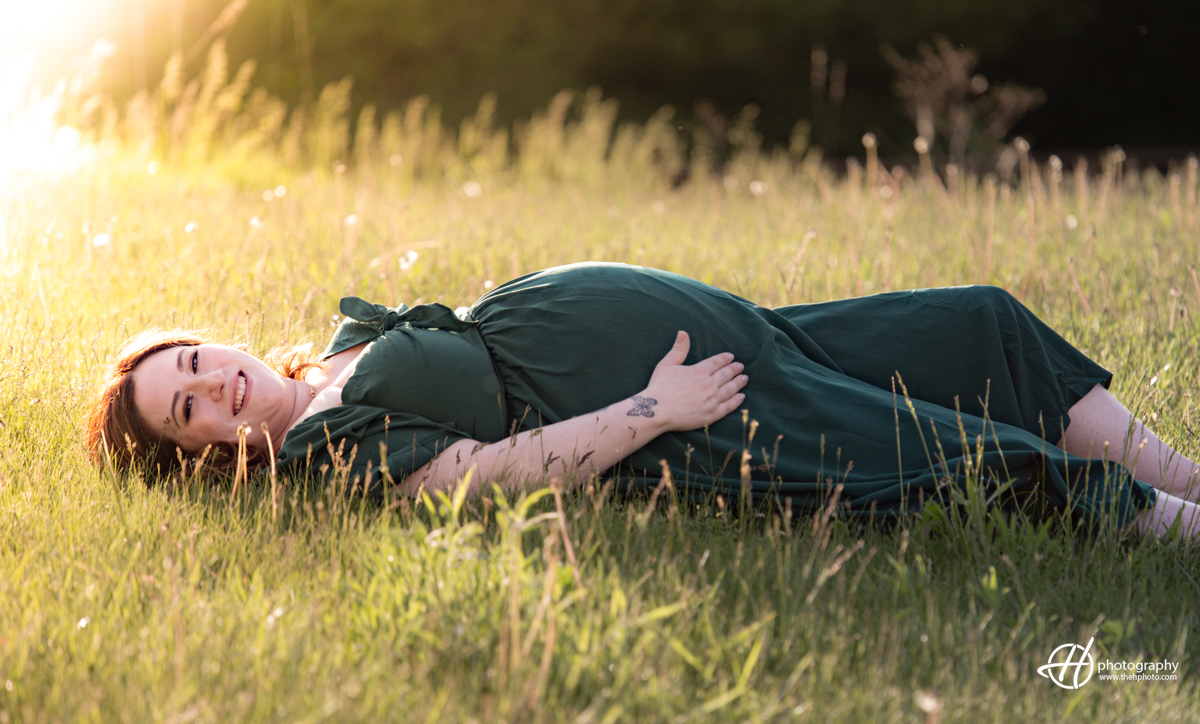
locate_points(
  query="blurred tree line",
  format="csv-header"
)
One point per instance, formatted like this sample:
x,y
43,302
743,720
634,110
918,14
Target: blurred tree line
x,y
1111,71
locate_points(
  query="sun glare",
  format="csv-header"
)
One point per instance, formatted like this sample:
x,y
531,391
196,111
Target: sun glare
x,y
31,138
52,27
35,36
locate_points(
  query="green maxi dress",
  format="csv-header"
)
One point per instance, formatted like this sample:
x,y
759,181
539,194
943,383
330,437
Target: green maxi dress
x,y
570,340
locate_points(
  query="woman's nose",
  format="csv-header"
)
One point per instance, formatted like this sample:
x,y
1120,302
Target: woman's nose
x,y
211,384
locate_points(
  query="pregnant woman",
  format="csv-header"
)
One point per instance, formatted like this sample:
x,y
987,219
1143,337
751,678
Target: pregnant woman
x,y
610,369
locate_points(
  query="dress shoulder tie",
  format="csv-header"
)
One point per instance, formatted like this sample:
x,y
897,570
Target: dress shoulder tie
x,y
423,316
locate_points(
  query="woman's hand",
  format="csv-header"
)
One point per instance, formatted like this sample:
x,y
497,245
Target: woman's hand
x,y
691,396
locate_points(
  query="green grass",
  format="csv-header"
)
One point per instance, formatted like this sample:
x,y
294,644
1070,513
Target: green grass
x,y
122,603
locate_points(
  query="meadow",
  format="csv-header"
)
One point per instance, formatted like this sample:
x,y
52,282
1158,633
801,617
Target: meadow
x,y
205,205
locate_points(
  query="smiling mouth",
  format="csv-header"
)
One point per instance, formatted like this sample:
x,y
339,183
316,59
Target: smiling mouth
x,y
239,396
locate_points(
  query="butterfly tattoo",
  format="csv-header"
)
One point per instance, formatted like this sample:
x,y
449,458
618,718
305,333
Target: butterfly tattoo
x,y
641,406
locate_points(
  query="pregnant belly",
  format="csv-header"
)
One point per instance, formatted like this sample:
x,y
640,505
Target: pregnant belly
x,y
570,340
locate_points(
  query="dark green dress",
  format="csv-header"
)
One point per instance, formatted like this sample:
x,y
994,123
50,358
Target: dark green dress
x,y
570,340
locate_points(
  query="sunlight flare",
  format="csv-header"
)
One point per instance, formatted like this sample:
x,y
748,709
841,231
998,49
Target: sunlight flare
x,y
35,37
30,136
53,26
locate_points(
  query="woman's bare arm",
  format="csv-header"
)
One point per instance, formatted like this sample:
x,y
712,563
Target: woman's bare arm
x,y
678,397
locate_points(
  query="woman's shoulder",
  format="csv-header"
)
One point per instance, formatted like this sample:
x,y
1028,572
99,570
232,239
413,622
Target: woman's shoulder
x,y
358,325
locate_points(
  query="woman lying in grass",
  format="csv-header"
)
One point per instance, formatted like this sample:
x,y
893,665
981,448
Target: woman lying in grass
x,y
610,369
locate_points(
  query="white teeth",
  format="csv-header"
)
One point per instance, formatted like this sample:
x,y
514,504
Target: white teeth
x,y
241,393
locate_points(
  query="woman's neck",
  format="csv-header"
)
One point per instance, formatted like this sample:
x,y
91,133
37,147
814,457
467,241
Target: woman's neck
x,y
322,387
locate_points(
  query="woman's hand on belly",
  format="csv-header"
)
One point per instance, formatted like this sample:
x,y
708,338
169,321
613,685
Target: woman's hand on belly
x,y
678,397
692,396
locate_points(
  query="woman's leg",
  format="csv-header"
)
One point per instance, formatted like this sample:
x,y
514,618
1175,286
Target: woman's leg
x,y
956,347
1101,427
1168,509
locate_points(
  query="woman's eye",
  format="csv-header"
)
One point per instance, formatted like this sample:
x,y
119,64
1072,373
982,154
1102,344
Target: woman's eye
x,y
187,409
195,362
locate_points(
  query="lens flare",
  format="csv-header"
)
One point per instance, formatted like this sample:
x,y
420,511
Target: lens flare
x,y
58,36
31,138
57,29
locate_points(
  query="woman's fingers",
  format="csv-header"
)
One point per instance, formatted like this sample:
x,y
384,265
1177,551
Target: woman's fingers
x,y
732,386
730,405
728,372
716,362
728,377
678,352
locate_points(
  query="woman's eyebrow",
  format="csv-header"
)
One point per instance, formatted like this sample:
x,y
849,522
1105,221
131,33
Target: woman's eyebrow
x,y
175,399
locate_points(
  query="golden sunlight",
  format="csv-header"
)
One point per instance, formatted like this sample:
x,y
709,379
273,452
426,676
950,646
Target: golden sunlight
x,y
55,30
41,42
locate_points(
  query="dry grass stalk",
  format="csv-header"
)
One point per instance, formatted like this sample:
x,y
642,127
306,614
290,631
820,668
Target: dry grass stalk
x,y
869,142
1082,192
1056,173
989,190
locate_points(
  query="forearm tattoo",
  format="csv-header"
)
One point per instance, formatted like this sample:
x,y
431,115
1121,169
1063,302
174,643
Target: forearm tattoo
x,y
642,406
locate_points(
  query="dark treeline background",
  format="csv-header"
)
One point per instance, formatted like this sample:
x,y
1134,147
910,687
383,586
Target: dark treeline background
x,y
1113,71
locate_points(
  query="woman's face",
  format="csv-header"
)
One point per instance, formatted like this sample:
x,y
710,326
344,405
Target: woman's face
x,y
198,395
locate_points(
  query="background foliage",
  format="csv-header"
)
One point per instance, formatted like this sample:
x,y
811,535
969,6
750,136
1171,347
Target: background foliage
x,y
1113,72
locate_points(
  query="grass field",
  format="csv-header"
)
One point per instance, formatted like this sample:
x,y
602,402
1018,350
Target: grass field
x,y
178,604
